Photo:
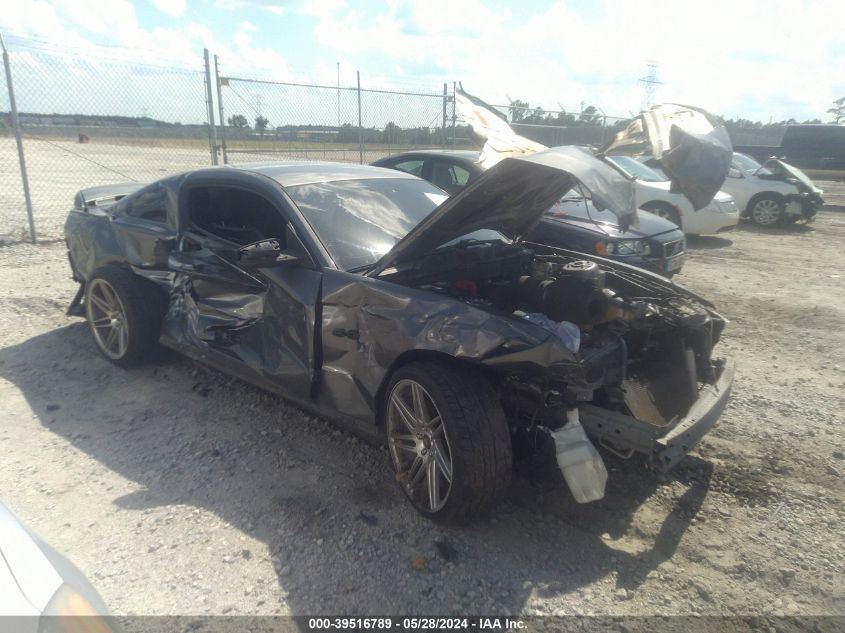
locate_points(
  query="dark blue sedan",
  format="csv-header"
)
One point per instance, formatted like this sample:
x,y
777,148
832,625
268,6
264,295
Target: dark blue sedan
x,y
657,244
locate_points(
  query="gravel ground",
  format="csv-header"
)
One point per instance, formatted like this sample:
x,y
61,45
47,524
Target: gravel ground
x,y
178,490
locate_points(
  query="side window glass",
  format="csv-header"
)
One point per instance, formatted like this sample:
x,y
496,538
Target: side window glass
x,y
411,166
149,203
235,215
449,176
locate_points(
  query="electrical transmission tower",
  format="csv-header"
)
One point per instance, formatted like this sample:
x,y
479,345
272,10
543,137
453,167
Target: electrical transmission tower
x,y
649,82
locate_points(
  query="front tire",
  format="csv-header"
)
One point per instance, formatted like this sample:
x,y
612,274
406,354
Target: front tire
x,y
448,440
665,211
766,211
124,312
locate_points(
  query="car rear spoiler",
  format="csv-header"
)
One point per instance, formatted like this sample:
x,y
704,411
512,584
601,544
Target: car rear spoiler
x,y
103,196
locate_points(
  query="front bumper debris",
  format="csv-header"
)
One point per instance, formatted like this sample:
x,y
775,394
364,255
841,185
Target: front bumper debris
x,y
667,445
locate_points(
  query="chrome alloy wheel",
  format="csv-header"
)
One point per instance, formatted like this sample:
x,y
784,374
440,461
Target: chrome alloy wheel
x,y
766,212
107,319
419,445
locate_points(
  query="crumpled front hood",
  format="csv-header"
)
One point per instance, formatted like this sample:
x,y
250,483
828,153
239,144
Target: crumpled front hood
x,y
793,172
512,196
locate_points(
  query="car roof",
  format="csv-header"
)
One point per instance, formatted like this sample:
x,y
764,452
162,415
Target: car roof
x,y
467,154
293,173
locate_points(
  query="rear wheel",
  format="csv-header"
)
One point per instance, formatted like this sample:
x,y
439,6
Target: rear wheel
x,y
766,211
663,210
124,313
448,440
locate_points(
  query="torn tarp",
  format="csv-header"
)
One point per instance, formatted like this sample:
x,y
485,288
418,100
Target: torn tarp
x,y
490,124
693,150
691,147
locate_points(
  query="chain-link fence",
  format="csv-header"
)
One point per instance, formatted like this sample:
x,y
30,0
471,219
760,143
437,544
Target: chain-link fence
x,y
588,126
88,119
98,116
267,120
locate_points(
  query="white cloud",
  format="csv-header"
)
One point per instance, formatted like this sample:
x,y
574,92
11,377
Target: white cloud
x,y
736,59
273,6
733,58
173,8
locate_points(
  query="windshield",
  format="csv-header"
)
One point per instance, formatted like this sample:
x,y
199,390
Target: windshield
x,y
358,221
634,169
745,163
576,203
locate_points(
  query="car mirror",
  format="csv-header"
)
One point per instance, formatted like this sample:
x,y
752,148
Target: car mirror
x,y
733,172
266,254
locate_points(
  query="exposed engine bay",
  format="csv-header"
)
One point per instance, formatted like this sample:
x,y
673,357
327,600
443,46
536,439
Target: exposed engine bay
x,y
645,345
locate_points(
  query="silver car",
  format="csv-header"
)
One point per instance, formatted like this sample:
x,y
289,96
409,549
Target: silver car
x,y
40,590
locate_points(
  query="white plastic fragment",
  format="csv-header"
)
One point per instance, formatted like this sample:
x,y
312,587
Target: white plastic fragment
x,y
579,461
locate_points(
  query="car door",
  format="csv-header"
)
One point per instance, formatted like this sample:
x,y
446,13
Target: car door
x,y
740,185
256,321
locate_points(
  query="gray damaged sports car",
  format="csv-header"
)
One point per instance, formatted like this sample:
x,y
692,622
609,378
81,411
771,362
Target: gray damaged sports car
x,y
364,295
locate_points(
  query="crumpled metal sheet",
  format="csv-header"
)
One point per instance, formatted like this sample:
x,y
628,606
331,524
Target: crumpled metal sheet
x,y
691,147
367,325
489,124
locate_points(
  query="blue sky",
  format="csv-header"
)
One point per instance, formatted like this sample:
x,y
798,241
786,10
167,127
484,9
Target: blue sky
x,y
761,61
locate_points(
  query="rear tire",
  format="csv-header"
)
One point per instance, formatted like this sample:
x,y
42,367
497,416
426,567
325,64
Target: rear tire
x,y
124,312
466,438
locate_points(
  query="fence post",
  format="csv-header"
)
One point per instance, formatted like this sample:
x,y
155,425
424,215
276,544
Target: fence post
x,y
220,112
212,132
360,129
454,117
17,125
443,129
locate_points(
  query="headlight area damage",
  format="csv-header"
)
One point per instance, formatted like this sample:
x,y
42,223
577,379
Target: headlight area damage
x,y
558,333
643,376
808,198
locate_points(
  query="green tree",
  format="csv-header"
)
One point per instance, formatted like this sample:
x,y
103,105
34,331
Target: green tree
x,y
238,121
392,133
347,134
518,110
261,124
589,116
838,110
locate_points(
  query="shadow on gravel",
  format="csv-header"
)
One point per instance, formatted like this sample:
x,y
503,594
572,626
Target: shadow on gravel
x,y
337,530
707,242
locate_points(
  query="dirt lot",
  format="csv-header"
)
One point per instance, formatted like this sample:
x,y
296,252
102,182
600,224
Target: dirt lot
x,y
178,490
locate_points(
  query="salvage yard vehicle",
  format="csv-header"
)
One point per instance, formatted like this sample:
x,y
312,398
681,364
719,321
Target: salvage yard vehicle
x,y
656,244
655,196
772,193
366,296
